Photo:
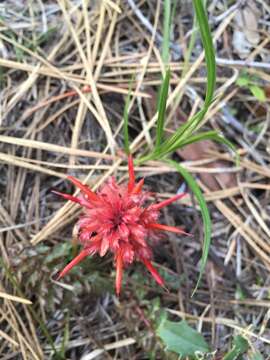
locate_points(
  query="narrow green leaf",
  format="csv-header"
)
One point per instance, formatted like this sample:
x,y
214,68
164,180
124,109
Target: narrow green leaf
x,y
182,132
125,118
256,356
205,215
166,31
65,337
190,126
162,101
208,48
181,338
173,11
240,347
208,135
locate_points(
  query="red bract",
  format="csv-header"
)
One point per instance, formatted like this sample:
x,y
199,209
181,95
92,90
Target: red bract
x,y
116,219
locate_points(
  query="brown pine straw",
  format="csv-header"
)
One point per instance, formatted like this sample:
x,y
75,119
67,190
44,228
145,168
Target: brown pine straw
x,y
61,113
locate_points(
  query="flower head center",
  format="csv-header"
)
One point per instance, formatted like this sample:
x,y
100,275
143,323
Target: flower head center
x,y
118,219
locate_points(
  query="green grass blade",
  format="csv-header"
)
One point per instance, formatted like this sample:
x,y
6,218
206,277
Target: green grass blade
x,y
65,337
125,118
166,32
173,11
205,215
162,101
208,135
192,139
191,125
180,134
209,49
214,136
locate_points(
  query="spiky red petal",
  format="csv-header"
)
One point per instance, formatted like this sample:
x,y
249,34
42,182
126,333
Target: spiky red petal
x,y
131,182
119,272
167,202
74,262
167,228
153,272
138,187
84,188
67,196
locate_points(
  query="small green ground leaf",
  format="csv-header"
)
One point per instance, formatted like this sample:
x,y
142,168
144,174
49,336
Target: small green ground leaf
x,y
181,338
258,92
240,346
58,251
243,80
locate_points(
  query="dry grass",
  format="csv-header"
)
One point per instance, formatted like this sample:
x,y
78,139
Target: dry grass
x,y
65,69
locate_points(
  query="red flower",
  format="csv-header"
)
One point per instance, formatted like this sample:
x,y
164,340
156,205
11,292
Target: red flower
x,y
116,219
